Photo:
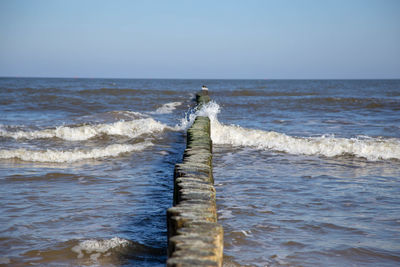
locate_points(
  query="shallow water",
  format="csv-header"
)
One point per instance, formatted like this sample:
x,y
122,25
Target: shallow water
x,y
86,170
306,172
281,210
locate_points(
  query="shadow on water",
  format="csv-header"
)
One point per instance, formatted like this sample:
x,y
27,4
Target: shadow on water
x,y
149,220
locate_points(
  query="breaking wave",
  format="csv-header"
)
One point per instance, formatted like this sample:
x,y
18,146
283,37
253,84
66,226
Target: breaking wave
x,y
167,108
366,147
72,155
97,248
132,129
96,251
330,146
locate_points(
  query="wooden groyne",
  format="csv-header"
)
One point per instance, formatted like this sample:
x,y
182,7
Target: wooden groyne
x,y
194,236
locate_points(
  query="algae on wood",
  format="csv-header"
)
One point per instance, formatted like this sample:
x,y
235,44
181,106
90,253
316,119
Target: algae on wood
x,y
194,236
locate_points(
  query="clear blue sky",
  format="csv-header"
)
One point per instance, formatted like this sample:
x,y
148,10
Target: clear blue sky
x,y
200,39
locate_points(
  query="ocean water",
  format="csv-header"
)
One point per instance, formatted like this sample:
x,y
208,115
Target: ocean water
x,y
307,172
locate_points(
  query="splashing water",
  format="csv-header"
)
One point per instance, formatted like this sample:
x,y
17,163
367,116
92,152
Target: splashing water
x,y
329,146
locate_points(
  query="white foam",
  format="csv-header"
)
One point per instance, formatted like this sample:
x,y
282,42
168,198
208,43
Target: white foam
x,y
246,233
369,148
73,155
167,108
95,248
210,110
129,114
133,128
186,122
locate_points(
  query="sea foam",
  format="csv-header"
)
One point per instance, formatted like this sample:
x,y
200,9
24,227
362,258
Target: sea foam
x,y
72,155
132,129
167,108
96,248
369,148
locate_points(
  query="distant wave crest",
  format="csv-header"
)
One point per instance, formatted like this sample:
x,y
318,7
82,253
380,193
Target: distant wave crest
x,y
167,108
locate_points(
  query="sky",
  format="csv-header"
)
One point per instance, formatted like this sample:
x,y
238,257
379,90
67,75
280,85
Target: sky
x,y
235,39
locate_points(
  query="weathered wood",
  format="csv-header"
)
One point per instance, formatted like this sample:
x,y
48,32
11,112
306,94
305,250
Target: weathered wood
x,y
194,236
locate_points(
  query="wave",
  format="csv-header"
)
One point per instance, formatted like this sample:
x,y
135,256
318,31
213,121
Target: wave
x,y
370,148
189,118
352,102
98,250
97,247
132,129
114,251
330,146
31,90
128,114
252,92
167,108
72,155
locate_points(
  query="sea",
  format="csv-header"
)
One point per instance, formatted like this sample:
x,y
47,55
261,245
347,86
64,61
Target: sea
x,y
307,172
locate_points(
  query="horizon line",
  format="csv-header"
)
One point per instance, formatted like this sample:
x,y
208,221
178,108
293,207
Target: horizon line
x,y
158,78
